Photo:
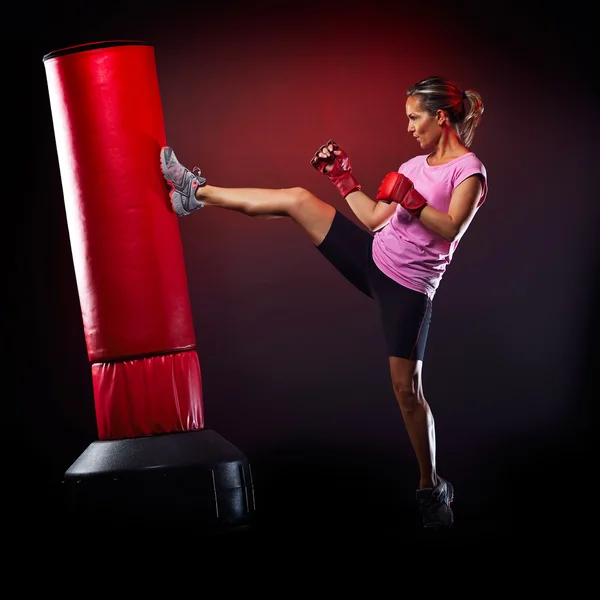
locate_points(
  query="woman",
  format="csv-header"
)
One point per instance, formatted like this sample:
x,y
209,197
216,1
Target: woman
x,y
415,223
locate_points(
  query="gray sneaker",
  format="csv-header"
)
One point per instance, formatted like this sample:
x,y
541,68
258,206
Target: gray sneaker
x,y
435,505
182,183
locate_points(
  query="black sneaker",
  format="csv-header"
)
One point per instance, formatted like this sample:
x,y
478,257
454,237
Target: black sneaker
x,y
435,505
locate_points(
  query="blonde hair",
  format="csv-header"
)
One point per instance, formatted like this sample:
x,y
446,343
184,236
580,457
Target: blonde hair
x,y
438,93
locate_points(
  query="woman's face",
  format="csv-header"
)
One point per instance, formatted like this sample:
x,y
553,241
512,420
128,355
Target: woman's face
x,y
425,128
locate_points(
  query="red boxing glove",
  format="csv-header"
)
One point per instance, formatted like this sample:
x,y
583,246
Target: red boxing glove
x,y
341,172
413,202
396,187
393,188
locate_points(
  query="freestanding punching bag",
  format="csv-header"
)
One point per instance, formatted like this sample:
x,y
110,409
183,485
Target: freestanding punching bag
x,y
153,457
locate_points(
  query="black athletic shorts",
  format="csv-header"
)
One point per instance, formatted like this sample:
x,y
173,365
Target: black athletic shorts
x,y
405,313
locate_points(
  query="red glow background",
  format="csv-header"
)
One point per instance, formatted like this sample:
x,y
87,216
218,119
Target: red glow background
x,y
291,355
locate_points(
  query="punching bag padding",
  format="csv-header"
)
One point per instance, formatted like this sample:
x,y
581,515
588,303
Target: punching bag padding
x,y
126,245
120,384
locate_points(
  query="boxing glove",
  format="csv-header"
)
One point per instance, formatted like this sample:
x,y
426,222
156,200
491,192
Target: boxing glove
x,y
393,188
396,187
341,172
413,202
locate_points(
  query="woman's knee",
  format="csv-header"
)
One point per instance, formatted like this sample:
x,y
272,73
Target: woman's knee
x,y
406,395
406,381
310,212
300,198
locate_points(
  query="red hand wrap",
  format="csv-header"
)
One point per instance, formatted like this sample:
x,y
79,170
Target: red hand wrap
x,y
341,173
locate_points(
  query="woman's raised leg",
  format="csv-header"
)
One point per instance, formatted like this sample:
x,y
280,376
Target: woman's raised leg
x,y
312,214
190,192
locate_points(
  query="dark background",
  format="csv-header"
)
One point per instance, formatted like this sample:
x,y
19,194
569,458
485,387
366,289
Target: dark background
x,y
293,365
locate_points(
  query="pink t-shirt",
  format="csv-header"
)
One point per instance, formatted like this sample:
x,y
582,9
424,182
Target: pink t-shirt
x,y
405,250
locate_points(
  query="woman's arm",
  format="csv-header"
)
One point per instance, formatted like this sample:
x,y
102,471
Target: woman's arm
x,y
372,214
334,163
453,224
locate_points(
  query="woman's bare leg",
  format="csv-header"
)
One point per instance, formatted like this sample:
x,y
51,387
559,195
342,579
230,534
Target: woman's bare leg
x,y
418,419
189,191
312,214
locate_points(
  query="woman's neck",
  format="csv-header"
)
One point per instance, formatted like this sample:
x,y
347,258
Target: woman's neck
x,y
448,148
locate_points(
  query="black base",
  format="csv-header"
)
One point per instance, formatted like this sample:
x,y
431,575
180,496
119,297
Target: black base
x,y
196,477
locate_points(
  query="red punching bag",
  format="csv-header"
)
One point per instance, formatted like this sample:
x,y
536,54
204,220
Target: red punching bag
x,y
126,246
127,254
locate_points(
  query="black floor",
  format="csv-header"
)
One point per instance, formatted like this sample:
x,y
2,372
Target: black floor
x,y
318,495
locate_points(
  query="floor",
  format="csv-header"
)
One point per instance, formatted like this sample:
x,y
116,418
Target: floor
x,y
317,497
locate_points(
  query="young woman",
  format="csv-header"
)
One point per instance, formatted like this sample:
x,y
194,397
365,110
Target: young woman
x,y
415,223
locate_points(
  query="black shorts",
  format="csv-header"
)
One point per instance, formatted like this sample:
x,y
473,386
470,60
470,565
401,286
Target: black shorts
x,y
405,313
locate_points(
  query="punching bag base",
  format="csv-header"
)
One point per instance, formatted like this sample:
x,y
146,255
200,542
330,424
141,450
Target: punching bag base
x,y
196,479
